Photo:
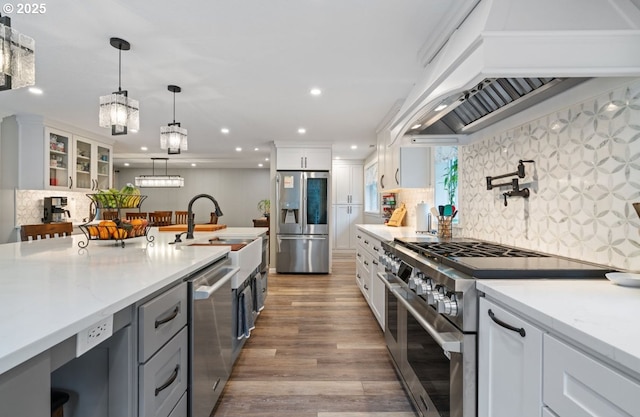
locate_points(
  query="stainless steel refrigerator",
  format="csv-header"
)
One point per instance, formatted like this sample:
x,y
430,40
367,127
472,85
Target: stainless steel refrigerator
x,y
302,226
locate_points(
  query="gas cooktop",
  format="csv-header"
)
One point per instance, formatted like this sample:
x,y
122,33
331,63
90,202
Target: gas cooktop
x,y
490,260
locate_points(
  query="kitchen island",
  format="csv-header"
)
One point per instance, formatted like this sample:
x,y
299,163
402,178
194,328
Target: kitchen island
x,y
51,290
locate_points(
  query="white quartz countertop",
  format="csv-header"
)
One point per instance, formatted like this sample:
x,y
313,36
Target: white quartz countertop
x,y
597,314
52,289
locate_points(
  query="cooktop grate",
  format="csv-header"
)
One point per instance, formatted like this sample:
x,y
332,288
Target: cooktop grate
x,y
473,250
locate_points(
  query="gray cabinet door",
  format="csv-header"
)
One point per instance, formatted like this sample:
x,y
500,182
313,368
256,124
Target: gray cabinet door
x,y
161,318
163,379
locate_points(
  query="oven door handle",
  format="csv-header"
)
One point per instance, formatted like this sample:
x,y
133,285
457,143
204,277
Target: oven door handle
x,y
446,343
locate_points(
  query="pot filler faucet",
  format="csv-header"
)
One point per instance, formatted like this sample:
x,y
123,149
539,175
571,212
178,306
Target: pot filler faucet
x,y
190,219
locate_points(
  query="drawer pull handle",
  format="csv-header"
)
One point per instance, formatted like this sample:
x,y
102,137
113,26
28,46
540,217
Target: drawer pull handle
x,y
169,318
366,242
374,262
507,326
170,381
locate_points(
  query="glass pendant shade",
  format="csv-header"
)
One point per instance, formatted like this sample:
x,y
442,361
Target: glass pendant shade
x,y
117,110
120,113
173,138
17,57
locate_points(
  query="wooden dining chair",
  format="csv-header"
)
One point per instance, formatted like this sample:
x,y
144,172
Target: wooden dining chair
x,y
160,218
213,219
109,214
135,215
181,217
44,231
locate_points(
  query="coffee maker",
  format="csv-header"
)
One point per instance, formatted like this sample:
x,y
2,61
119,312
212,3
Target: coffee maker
x,y
54,210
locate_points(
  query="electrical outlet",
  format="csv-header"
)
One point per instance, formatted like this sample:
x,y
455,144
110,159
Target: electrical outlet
x,y
92,336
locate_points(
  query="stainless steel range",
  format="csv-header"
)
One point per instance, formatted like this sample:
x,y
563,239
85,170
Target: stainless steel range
x,y
432,311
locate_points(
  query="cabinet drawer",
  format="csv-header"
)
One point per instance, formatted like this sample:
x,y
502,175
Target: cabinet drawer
x,y
576,384
161,318
163,380
181,408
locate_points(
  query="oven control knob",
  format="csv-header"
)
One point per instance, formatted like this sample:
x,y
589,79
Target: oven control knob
x,y
422,288
448,305
435,295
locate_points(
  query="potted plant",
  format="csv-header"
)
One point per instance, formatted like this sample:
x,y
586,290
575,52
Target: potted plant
x,y
264,206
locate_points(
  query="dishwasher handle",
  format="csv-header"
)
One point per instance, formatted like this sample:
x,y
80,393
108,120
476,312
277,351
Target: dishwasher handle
x,y
203,291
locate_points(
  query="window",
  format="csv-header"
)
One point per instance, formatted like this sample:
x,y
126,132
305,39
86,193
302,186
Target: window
x,y
371,204
446,174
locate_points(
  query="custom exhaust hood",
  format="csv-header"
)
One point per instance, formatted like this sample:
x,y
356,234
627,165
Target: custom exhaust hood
x,y
509,55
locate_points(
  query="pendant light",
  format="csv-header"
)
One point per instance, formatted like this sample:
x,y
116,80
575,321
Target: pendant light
x,y
159,181
117,110
17,57
173,137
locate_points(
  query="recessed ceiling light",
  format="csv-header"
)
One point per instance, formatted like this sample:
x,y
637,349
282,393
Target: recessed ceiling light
x,y
266,159
224,130
260,165
354,146
238,149
35,90
144,148
193,165
133,130
315,91
302,130
126,164
337,157
416,126
256,149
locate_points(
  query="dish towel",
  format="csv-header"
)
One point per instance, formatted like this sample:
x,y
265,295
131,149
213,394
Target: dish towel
x,y
245,314
258,293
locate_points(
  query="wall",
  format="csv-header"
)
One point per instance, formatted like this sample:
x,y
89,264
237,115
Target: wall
x,y
30,205
236,190
585,177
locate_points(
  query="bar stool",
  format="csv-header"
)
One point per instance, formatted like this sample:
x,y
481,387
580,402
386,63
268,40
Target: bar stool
x,y
160,218
136,215
44,231
181,217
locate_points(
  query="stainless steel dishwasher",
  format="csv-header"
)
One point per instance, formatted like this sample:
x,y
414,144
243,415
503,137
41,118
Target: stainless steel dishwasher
x,y
210,335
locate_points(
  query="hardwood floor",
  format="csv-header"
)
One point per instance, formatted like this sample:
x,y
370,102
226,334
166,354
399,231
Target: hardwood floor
x,y
317,351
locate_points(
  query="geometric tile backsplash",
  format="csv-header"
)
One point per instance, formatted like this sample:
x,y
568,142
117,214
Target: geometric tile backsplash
x,y
585,176
30,205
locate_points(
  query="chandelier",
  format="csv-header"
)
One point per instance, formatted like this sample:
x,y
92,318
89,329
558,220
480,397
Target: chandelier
x,y
17,57
159,181
117,110
173,137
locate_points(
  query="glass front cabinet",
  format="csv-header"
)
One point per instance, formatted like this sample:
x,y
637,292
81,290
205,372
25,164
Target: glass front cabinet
x,y
77,163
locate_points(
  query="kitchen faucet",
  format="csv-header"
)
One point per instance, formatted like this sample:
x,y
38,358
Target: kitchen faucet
x,y
190,220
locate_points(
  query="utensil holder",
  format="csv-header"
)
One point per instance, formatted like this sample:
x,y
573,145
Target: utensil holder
x,y
444,226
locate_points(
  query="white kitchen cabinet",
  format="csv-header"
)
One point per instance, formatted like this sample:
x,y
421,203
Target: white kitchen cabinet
x,y
345,218
576,384
509,364
93,165
402,166
348,183
37,157
76,163
368,251
410,167
363,272
309,159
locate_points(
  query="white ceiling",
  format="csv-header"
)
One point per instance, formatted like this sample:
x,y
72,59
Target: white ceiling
x,y
246,65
